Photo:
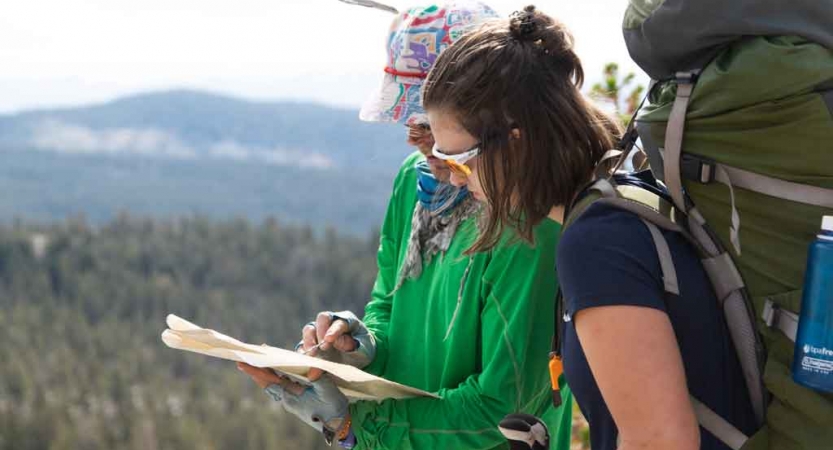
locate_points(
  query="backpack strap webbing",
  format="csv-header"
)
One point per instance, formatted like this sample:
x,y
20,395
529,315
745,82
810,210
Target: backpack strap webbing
x,y
708,419
706,171
737,307
718,426
666,262
674,137
726,281
776,317
677,166
774,187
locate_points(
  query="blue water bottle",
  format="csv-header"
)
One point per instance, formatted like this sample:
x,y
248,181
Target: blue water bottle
x,y
813,361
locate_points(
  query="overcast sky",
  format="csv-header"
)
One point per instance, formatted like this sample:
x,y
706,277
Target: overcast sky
x,y
70,52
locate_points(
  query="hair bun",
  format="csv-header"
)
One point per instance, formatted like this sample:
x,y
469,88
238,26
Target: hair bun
x,y
523,24
549,38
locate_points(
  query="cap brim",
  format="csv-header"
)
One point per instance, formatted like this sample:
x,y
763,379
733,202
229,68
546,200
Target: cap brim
x,y
399,100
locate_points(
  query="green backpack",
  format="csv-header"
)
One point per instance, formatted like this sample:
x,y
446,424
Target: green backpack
x,y
740,130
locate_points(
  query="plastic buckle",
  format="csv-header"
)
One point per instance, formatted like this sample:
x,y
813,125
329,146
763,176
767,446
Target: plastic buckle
x,y
687,77
628,139
697,168
770,313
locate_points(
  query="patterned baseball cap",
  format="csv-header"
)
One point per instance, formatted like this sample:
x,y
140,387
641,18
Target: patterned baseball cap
x,y
416,38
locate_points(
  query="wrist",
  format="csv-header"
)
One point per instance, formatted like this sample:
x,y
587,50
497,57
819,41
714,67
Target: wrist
x,y
346,428
347,439
349,442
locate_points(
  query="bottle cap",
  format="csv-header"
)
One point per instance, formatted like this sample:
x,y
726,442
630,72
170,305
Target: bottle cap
x,y
827,223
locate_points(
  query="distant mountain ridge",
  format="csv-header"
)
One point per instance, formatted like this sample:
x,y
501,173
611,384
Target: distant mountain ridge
x,y
202,121
182,151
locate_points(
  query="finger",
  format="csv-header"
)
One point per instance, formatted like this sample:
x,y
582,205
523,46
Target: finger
x,y
247,368
336,330
345,343
322,324
253,373
314,374
276,375
309,337
263,377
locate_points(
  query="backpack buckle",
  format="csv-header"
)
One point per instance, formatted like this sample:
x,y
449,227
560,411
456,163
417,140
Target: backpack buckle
x,y
697,168
686,77
769,313
780,319
628,139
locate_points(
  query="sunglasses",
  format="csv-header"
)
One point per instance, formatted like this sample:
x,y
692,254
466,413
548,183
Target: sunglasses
x,y
457,162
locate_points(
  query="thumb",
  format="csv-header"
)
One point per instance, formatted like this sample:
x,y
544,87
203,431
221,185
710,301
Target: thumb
x,y
314,374
345,343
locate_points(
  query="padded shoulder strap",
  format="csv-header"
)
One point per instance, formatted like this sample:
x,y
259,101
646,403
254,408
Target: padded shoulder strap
x,y
654,211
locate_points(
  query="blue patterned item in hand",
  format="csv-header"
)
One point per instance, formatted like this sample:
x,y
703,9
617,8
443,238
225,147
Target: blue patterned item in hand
x,y
321,405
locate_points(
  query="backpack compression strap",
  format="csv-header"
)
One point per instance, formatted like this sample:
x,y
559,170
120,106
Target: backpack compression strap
x,y
677,166
674,138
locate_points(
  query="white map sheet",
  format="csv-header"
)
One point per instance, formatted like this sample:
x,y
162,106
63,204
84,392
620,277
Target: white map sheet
x,y
354,383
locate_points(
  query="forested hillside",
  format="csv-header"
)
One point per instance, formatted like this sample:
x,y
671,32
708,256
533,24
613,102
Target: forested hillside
x,y
82,307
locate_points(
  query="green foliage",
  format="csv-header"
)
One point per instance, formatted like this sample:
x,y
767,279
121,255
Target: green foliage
x,y
614,91
83,366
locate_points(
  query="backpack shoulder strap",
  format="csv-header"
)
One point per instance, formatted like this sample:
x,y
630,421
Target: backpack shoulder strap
x,y
653,210
656,212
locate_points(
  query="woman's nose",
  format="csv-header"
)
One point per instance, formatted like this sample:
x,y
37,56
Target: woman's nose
x,y
458,180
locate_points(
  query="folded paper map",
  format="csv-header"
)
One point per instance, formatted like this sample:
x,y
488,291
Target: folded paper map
x,y
354,383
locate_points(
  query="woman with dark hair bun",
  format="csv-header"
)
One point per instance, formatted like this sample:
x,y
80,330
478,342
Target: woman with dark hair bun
x,y
507,114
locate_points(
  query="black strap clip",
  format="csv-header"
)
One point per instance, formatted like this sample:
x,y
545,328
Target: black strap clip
x,y
697,168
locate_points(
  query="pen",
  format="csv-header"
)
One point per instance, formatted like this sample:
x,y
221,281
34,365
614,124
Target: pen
x,y
314,347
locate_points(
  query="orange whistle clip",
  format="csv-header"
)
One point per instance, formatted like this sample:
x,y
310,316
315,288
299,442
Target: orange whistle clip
x,y
556,369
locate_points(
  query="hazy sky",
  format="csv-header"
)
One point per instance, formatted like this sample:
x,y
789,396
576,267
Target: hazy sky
x,y
68,52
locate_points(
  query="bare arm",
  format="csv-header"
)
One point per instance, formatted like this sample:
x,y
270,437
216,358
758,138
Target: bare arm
x,y
633,354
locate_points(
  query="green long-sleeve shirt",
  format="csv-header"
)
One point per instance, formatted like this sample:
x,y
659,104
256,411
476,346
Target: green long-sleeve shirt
x,y
491,361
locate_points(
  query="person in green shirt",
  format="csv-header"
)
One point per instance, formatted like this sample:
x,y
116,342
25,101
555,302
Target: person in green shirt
x,y
473,328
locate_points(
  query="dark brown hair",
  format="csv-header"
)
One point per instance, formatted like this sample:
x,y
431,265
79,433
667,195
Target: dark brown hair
x,y
521,73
